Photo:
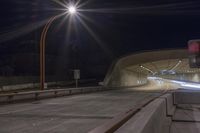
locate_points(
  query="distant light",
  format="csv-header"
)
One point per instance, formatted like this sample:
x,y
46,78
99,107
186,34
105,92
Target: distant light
x,y
179,62
146,69
72,9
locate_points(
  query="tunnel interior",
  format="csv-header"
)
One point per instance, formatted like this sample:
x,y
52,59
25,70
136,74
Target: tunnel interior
x,y
135,69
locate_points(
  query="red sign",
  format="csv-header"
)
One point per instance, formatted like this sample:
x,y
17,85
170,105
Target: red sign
x,y
194,47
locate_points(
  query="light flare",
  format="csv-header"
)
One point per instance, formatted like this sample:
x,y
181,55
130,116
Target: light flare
x,y
72,9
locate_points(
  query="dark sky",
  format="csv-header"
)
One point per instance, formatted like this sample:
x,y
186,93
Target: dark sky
x,y
119,27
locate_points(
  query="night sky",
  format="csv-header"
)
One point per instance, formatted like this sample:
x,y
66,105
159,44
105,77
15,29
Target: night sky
x,y
118,27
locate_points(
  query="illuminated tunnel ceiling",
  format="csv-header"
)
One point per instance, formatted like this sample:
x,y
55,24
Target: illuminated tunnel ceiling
x,y
177,62
170,66
158,62
133,69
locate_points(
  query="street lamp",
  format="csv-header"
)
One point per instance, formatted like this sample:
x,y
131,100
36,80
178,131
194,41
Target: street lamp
x,y
71,10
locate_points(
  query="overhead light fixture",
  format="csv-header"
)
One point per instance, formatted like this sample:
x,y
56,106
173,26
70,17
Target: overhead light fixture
x,y
72,9
179,62
147,69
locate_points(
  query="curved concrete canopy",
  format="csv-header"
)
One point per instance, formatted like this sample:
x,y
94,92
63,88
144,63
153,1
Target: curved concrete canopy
x,y
151,56
133,69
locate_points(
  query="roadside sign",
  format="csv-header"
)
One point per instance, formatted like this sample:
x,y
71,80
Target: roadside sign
x,y
77,74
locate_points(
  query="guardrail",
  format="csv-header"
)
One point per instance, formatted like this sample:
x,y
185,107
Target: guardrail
x,y
27,86
35,95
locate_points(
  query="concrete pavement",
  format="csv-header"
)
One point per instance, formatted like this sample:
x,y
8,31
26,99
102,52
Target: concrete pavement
x,y
73,114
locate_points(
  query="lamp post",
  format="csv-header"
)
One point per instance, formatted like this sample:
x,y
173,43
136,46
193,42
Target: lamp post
x,y
70,10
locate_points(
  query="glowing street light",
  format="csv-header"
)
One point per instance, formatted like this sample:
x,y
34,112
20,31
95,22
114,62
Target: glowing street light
x,y
71,10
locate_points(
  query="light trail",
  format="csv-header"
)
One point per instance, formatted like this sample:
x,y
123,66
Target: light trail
x,y
182,84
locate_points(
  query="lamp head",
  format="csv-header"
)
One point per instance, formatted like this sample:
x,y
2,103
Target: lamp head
x,y
72,9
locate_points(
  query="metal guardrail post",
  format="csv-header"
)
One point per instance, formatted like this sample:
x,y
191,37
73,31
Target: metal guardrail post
x,y
55,93
70,92
36,96
10,98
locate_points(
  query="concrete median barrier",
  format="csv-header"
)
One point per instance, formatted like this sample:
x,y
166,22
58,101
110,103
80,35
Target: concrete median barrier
x,y
169,99
187,97
154,115
151,119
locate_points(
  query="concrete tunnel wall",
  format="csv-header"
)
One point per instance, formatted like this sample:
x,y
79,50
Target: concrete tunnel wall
x,y
127,78
119,76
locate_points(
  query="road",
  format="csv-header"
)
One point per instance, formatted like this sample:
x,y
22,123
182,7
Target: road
x,y
74,114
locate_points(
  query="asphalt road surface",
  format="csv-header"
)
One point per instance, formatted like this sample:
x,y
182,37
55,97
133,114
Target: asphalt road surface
x,y
74,114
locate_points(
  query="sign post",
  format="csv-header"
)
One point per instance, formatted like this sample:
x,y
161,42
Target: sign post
x,y
76,76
